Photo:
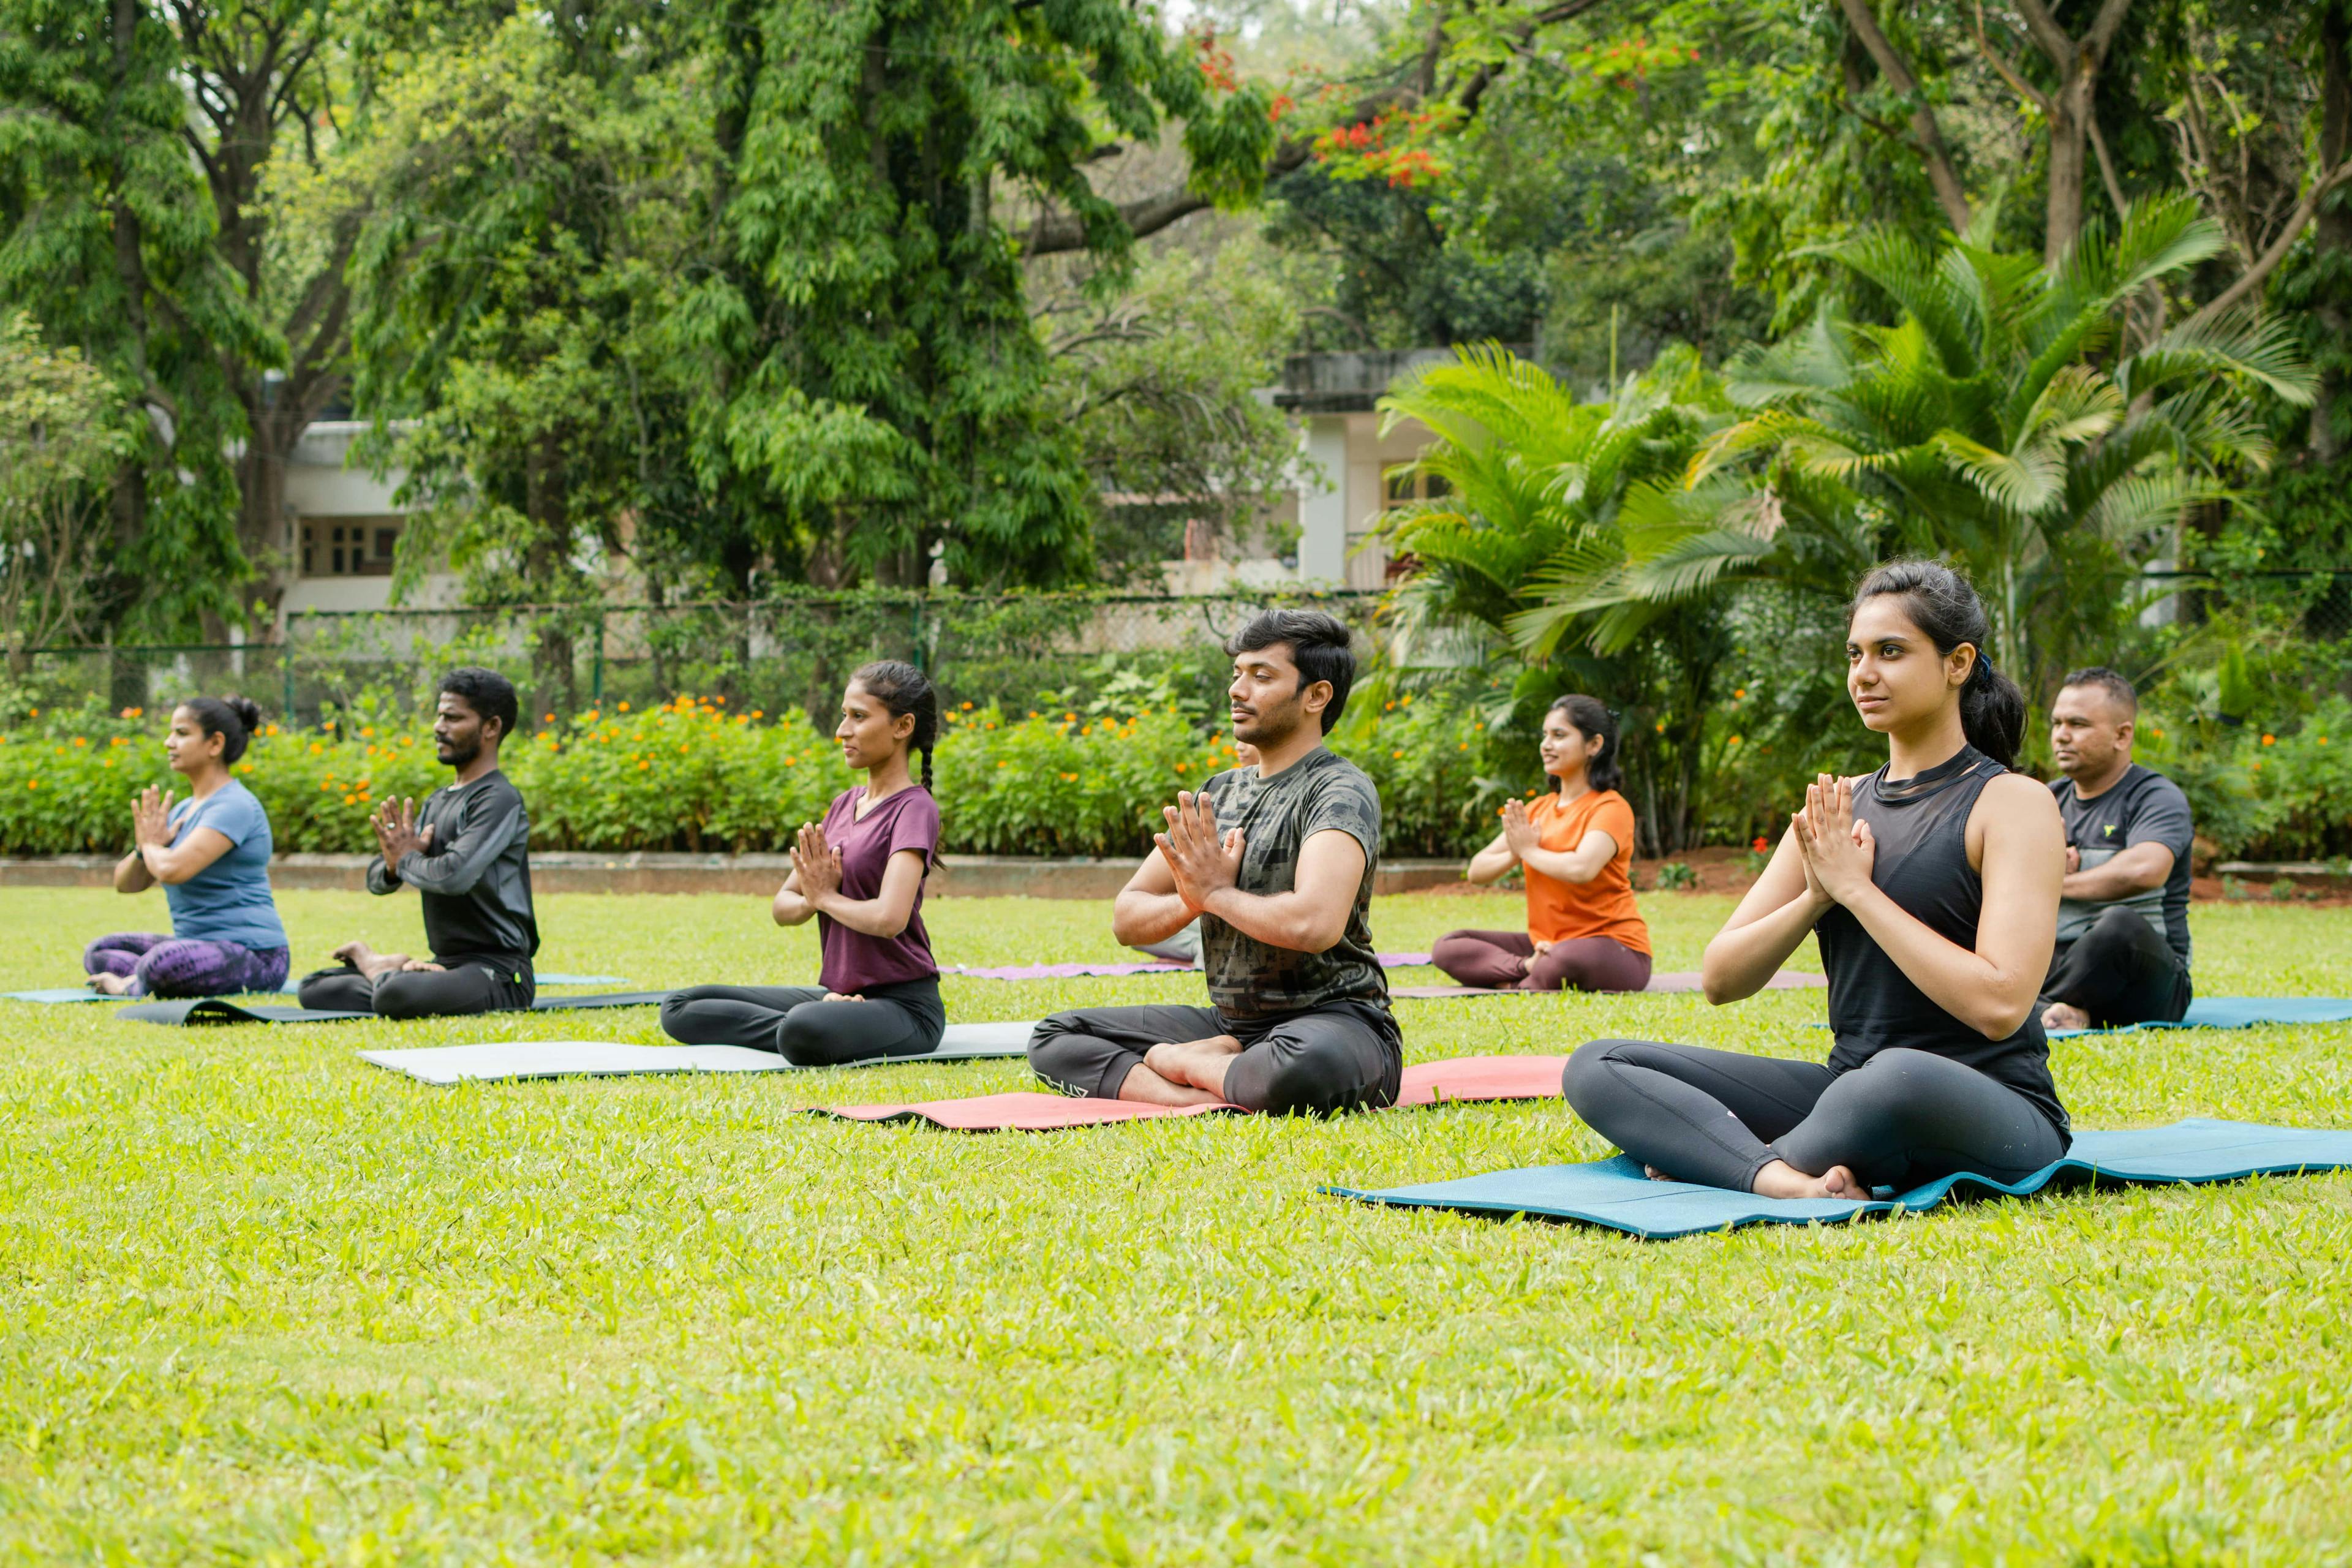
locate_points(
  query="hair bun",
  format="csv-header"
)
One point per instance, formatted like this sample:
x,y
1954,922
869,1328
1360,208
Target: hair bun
x,y
248,711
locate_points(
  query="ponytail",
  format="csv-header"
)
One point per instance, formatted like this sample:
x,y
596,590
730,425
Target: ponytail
x,y
903,689
1941,603
1592,716
1992,711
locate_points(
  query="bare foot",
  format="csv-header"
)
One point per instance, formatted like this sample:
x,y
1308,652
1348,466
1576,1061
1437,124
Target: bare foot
x,y
1656,1175
111,984
369,962
1199,1063
1148,1087
1781,1180
2064,1016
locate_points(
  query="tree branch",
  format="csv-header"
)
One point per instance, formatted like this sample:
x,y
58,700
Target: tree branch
x,y
2255,276
1941,173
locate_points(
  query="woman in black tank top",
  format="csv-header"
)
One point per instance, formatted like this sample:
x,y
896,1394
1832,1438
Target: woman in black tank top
x,y
1932,884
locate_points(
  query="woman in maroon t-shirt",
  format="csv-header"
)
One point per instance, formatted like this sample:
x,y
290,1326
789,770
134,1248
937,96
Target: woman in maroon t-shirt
x,y
860,872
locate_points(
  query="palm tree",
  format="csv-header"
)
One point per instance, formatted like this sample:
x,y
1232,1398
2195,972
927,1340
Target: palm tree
x,y
1532,483
1999,422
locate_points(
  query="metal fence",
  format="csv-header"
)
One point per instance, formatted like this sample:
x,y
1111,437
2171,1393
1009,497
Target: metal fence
x,y
1021,649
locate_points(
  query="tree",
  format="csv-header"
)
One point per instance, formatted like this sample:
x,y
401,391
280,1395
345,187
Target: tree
x,y
877,393
1998,422
62,438
534,195
1534,484
1160,386
107,239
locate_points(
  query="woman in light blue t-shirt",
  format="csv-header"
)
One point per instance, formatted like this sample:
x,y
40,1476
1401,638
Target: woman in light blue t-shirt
x,y
211,852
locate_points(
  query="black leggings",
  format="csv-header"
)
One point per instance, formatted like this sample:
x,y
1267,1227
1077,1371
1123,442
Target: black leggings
x,y
456,991
798,1024
1343,1056
2121,970
1903,1118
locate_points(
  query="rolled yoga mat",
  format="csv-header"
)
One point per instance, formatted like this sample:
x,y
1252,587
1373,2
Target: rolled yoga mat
x,y
221,1010
1615,1195
443,1065
1463,1080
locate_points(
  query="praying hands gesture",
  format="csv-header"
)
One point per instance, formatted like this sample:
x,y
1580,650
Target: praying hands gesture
x,y
1519,830
1203,863
150,818
396,833
816,863
1839,850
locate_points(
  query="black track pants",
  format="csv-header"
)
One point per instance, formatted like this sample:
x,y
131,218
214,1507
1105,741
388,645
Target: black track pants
x,y
1901,1119
460,989
1341,1056
798,1024
2121,970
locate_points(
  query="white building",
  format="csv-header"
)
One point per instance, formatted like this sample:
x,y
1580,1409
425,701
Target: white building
x,y
347,524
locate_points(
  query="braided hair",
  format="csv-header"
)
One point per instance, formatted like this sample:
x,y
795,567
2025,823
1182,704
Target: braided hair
x,y
903,689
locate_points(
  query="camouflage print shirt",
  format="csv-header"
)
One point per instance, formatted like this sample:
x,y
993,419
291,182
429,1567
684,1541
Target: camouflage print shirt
x,y
1248,979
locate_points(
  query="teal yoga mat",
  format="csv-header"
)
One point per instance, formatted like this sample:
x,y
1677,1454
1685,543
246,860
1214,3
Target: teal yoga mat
x,y
2243,1012
1615,1194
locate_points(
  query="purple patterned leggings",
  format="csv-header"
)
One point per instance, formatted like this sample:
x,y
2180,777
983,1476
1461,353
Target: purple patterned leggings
x,y
184,966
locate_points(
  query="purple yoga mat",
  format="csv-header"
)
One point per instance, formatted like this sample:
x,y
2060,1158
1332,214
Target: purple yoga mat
x,y
1149,966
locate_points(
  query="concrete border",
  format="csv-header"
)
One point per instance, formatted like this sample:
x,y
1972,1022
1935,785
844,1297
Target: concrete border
x,y
578,871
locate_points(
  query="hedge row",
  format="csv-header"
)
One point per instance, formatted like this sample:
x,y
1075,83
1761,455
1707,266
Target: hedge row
x,y
689,775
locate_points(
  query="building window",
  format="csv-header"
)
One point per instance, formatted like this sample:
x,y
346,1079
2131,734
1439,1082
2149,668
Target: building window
x,y
1401,485
349,546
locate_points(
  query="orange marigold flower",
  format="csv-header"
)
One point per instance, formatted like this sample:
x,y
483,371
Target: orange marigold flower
x,y
621,706
2270,740
81,740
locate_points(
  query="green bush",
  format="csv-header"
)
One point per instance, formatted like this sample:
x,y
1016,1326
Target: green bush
x,y
688,775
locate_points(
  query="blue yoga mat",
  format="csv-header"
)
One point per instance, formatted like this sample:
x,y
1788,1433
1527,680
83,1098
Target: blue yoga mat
x,y
1614,1194
2243,1012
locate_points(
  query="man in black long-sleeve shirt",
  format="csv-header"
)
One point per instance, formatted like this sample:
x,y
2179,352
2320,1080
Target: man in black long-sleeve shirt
x,y
467,854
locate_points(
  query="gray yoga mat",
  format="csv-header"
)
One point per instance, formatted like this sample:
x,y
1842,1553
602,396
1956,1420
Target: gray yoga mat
x,y
443,1065
221,1010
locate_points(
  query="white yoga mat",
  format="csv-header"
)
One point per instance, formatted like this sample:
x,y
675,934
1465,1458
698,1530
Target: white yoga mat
x,y
500,1061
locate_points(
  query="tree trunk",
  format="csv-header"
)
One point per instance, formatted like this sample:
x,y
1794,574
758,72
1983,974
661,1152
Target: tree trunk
x,y
2063,214
2331,227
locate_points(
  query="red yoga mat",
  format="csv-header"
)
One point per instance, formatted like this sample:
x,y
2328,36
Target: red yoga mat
x,y
1462,1081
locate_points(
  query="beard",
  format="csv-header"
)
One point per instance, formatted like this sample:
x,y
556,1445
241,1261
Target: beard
x,y
456,753
1270,726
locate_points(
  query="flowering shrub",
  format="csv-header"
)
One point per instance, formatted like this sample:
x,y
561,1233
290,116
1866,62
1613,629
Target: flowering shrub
x,y
690,776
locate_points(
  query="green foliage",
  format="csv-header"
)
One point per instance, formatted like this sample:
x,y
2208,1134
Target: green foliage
x,y
107,240
62,438
878,388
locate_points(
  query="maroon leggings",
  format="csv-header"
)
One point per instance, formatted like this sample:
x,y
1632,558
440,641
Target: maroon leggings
x,y
1499,959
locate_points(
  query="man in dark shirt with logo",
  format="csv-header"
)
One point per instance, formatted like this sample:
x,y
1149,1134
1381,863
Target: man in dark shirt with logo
x,y
468,853
2122,910
1277,862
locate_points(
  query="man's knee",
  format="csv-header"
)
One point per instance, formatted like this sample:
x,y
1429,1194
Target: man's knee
x,y
2119,927
1056,1055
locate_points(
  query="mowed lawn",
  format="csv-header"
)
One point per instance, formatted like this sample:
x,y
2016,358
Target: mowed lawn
x,y
261,1302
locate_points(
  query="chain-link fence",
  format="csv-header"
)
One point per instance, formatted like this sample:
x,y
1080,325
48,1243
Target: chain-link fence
x,y
1021,650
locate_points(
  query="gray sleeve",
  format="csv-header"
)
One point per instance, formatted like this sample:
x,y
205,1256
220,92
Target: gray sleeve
x,y
1350,802
381,877
486,826
2161,816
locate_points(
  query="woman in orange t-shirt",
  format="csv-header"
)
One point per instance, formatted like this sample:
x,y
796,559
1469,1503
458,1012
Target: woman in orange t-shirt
x,y
1584,931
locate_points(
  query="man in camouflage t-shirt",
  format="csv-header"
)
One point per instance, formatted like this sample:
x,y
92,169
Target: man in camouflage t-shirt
x,y
1277,862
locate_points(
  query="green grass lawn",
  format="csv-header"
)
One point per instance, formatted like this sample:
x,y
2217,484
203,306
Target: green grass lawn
x,y
260,1303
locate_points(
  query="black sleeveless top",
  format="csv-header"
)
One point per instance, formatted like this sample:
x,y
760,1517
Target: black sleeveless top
x,y
1921,827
